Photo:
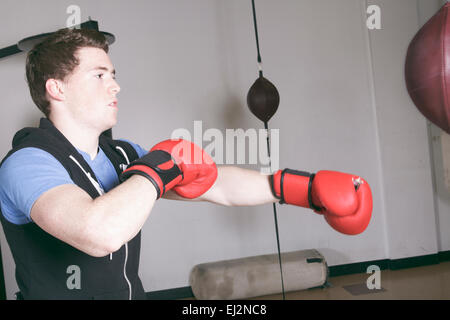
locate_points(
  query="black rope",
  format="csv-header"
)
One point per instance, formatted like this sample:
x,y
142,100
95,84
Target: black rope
x,y
268,153
275,216
257,39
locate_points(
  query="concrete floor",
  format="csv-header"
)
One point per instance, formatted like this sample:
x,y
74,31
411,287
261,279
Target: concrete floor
x,y
429,283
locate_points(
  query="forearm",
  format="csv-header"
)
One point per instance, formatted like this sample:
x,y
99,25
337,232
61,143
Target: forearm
x,y
96,227
118,215
239,187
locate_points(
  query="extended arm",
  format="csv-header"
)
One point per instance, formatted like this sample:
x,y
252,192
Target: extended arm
x,y
236,186
345,200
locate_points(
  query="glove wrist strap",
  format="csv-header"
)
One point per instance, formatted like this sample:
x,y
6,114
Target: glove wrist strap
x,y
159,168
289,186
311,203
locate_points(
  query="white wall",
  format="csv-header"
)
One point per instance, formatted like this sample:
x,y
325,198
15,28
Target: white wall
x,y
440,144
344,106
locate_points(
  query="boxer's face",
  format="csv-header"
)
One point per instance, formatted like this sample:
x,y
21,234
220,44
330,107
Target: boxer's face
x,y
91,90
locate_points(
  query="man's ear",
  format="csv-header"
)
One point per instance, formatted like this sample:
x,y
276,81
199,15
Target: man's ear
x,y
55,89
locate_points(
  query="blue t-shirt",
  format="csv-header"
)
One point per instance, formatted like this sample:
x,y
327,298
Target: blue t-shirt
x,y
30,172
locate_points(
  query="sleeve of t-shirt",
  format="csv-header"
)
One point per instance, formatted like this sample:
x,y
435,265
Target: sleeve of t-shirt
x,y
140,151
24,177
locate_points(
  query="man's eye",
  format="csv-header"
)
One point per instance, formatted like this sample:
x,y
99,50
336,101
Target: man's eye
x,y
99,76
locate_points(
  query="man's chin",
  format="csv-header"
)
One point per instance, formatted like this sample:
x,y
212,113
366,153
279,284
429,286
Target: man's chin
x,y
109,126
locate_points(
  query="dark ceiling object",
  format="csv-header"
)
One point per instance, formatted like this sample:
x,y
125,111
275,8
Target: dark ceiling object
x,y
29,42
9,51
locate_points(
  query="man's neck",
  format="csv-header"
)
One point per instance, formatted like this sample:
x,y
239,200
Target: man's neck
x,y
81,137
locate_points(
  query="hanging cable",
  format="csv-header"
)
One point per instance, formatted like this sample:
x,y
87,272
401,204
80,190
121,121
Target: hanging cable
x,y
265,116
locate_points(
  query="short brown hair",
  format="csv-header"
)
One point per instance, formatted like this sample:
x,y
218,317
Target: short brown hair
x,y
55,58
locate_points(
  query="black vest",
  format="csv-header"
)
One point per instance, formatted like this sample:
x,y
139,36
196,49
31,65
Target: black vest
x,y
46,266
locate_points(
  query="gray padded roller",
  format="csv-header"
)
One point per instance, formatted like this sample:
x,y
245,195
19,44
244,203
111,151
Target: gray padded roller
x,y
258,276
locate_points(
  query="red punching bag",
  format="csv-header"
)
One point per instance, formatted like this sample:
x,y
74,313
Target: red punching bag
x,y
427,69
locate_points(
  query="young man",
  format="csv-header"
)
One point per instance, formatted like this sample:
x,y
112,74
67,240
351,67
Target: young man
x,y
72,198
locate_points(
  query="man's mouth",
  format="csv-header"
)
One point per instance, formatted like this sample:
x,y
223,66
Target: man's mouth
x,y
113,104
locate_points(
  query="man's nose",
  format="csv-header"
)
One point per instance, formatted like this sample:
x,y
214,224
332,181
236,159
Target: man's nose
x,y
115,88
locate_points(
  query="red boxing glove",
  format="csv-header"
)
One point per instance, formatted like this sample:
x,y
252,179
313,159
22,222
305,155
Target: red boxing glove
x,y
176,164
198,168
345,200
